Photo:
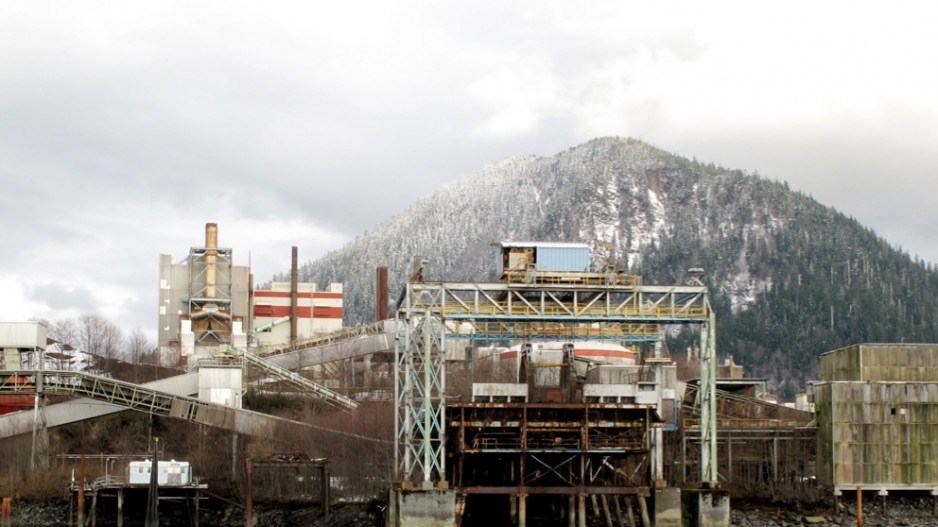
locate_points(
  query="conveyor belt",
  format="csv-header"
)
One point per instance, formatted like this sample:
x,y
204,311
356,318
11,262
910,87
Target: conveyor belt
x,y
145,399
329,396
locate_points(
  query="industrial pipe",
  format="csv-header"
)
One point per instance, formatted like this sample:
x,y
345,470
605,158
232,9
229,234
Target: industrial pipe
x,y
294,295
381,294
211,256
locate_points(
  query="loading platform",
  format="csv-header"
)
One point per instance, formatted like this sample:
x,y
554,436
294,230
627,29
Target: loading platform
x,y
129,499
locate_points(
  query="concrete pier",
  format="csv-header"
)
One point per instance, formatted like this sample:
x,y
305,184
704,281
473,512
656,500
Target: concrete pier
x,y
422,508
706,507
668,508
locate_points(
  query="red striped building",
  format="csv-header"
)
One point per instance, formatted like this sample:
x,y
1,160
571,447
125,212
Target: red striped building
x,y
317,312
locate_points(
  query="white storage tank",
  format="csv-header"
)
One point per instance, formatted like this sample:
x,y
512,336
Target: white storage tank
x,y
585,352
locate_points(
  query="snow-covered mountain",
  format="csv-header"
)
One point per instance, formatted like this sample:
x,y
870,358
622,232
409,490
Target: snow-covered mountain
x,y
791,278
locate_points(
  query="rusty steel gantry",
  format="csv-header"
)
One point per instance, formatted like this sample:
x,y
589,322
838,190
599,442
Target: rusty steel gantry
x,y
593,306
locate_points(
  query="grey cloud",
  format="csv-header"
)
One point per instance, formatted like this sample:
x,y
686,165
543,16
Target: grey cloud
x,y
58,298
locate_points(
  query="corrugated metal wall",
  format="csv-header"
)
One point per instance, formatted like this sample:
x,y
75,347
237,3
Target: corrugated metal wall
x,y
548,256
220,385
562,259
24,335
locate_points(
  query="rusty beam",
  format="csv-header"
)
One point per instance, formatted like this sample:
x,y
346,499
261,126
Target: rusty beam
x,y
559,490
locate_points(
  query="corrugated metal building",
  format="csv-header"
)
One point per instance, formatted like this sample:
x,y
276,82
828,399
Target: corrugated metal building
x,y
877,416
544,256
18,338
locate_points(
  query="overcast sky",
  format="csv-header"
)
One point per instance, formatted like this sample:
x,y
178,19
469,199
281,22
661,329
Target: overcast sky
x,y
126,126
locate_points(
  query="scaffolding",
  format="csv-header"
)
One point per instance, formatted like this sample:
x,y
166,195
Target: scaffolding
x,y
760,444
537,451
210,287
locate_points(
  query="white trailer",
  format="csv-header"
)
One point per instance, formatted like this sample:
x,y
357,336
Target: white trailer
x,y
169,473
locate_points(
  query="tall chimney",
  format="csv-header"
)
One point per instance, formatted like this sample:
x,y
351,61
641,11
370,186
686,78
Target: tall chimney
x,y
294,295
381,294
211,256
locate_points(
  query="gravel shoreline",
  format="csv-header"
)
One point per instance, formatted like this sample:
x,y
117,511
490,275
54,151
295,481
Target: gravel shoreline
x,y
41,513
903,511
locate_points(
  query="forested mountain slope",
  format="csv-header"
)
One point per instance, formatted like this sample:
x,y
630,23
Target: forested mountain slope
x,y
791,278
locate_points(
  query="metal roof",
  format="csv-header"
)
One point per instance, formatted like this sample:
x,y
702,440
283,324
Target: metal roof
x,y
555,245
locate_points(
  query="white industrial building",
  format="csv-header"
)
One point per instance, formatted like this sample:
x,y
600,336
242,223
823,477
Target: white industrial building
x,y
206,302
317,312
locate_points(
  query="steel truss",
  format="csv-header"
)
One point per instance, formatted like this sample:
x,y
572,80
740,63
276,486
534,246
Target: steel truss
x,y
209,277
432,312
331,397
209,294
143,399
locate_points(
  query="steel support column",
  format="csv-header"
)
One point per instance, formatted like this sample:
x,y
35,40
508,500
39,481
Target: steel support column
x,y
420,389
708,404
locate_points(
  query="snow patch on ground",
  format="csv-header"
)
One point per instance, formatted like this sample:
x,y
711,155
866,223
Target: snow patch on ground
x,y
647,227
602,225
743,287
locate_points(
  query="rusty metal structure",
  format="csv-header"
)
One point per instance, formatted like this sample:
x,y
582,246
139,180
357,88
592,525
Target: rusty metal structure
x,y
760,443
560,450
210,295
555,454
290,474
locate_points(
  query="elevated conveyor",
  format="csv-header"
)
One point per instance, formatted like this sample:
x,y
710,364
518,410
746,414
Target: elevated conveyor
x,y
343,335
144,399
349,343
83,408
332,397
367,340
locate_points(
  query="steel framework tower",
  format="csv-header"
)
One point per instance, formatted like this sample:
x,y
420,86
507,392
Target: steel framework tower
x,y
594,306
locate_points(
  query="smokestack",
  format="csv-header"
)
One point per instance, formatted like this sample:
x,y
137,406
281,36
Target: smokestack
x,y
381,294
294,294
250,321
211,256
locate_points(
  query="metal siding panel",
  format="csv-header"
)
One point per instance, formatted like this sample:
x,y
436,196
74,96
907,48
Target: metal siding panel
x,y
560,259
26,335
240,276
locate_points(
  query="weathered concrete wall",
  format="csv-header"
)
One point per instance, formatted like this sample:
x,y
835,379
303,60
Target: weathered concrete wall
x,y
668,508
882,362
879,435
435,508
706,507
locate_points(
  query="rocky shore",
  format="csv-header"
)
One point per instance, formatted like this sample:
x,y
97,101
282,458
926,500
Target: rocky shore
x,y
905,511
900,511
57,513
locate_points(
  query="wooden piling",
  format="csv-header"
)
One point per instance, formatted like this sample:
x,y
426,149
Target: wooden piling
x,y
859,507
6,511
